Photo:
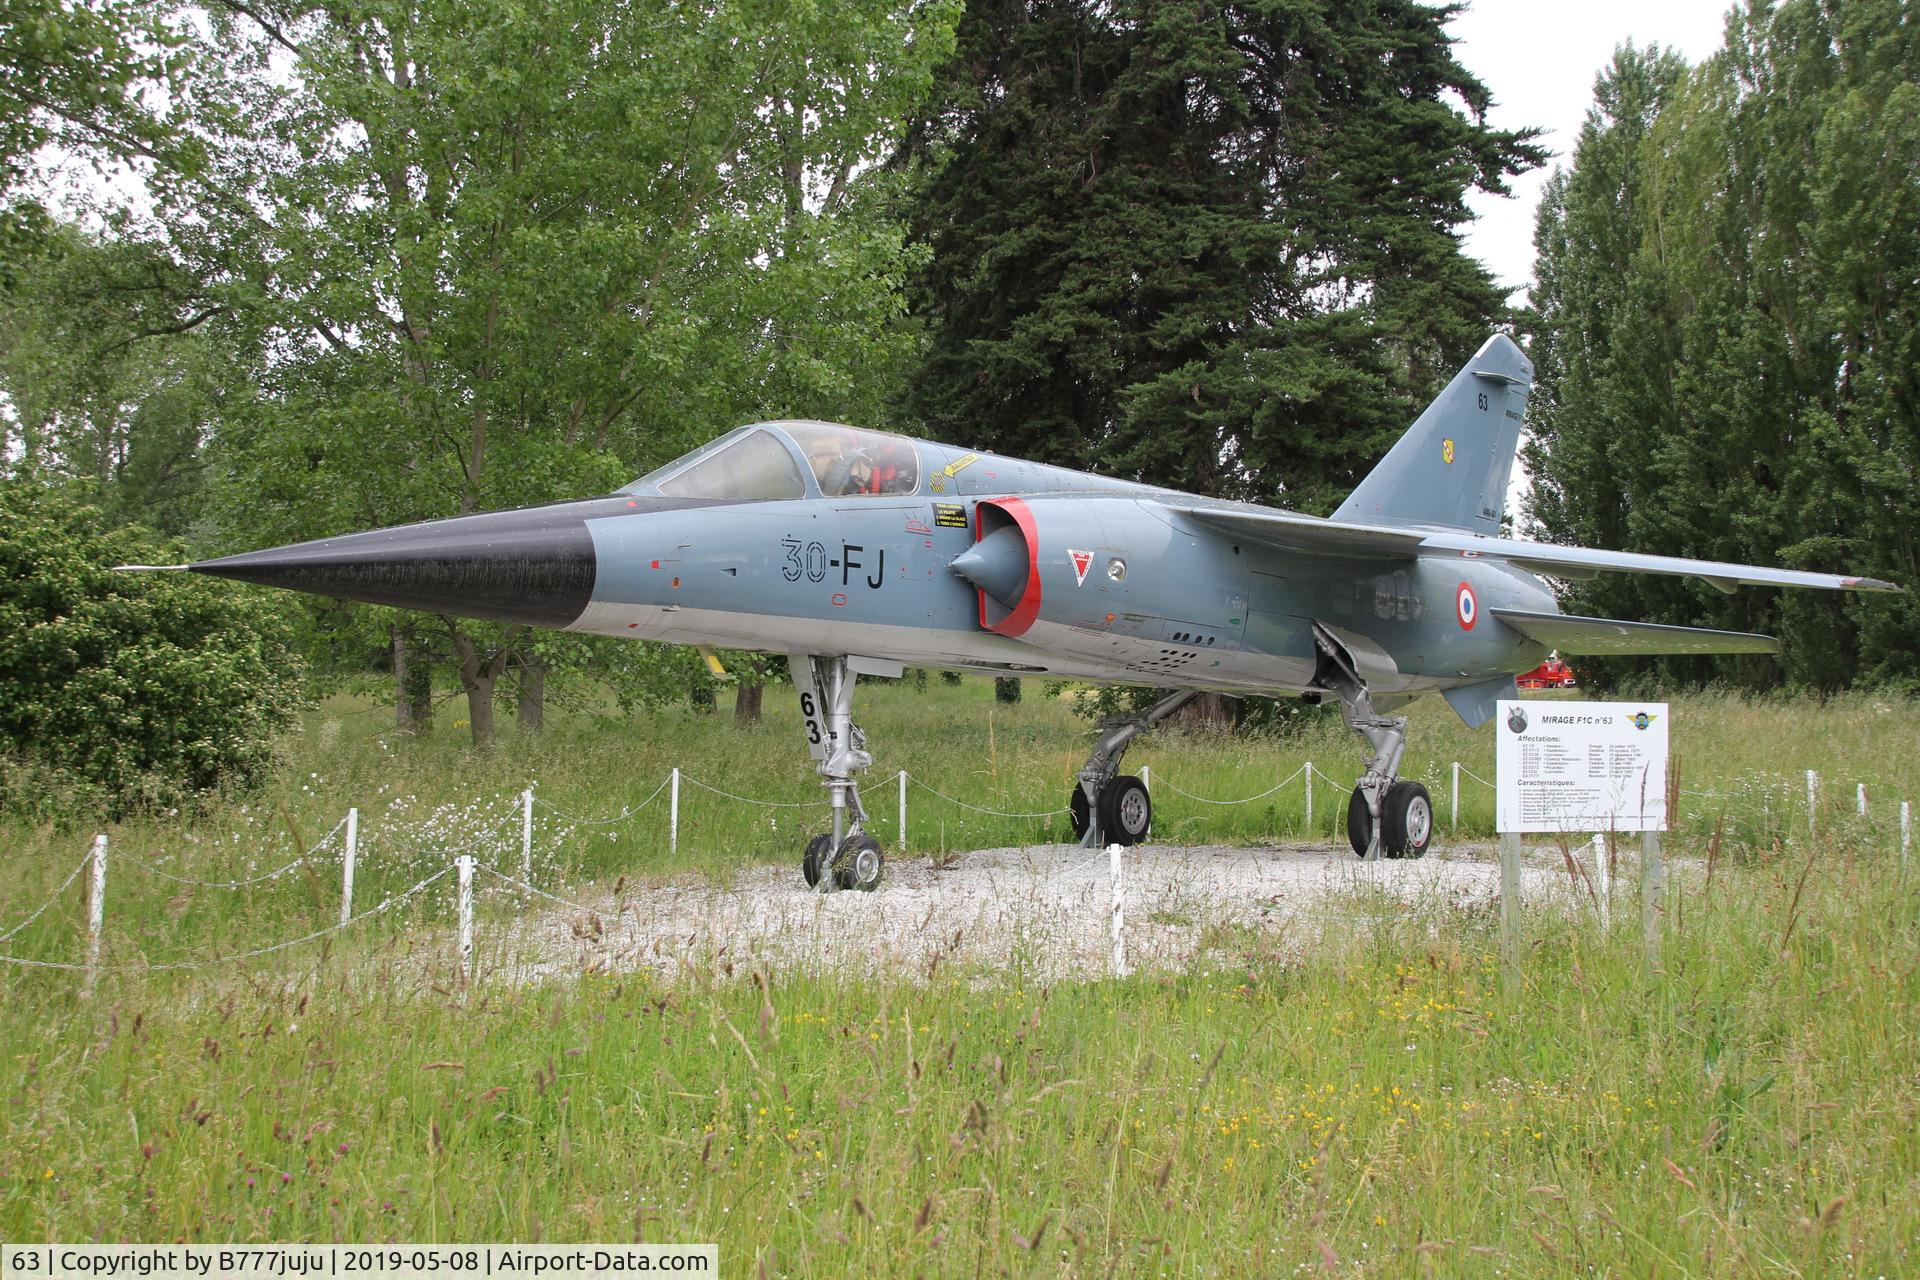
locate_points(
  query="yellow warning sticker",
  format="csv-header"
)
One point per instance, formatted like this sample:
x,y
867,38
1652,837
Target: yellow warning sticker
x,y
1446,450
956,467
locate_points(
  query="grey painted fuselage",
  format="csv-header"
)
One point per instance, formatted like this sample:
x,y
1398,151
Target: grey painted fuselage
x,y
1129,592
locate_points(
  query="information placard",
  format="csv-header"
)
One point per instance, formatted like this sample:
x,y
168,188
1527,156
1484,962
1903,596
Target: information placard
x,y
1579,767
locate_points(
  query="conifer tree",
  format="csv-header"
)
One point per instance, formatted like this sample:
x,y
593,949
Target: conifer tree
x,y
1212,246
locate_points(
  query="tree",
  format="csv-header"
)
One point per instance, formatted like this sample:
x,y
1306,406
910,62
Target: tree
x,y
501,253
76,74
1203,245
1597,333
112,373
127,689
751,672
1724,337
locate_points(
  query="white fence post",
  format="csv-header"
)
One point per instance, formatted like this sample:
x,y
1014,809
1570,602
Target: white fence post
x,y
1603,883
1906,831
1813,795
1510,907
1860,798
1146,776
346,865
1456,797
1309,772
465,865
903,811
1114,867
526,837
673,814
96,910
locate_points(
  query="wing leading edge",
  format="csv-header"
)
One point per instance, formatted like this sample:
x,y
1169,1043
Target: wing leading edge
x,y
1310,535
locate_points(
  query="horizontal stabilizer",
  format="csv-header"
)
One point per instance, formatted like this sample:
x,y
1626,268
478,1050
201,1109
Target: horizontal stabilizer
x,y
1312,536
1592,637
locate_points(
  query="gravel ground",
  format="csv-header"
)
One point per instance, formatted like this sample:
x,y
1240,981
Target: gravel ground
x,y
1044,909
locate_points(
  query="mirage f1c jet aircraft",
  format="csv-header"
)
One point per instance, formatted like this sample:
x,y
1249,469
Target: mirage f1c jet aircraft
x,y
857,553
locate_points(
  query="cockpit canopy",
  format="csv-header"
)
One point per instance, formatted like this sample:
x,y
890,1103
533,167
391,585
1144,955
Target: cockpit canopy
x,y
772,460
846,461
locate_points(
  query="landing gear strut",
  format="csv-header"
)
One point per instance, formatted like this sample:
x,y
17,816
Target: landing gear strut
x,y
1385,816
1108,809
847,857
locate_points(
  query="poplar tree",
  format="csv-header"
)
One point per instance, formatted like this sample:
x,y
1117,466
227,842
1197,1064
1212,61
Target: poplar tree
x,y
1726,342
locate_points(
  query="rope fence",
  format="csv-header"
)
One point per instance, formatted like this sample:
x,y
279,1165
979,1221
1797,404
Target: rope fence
x,y
996,813
1280,785
93,966
155,870
42,908
764,804
465,864
622,816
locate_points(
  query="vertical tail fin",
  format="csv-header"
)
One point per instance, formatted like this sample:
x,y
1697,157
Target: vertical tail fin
x,y
1452,466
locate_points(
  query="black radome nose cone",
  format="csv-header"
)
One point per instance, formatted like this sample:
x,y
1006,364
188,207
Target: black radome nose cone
x,y
533,566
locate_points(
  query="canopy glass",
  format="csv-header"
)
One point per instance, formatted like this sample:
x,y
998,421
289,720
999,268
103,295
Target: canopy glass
x,y
765,462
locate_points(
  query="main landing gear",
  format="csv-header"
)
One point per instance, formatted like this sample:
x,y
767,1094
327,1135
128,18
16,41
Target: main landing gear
x,y
1109,809
1386,816
847,857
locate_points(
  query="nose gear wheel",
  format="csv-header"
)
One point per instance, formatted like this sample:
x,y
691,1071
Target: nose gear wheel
x,y
813,863
858,863
846,857
1406,821
1079,812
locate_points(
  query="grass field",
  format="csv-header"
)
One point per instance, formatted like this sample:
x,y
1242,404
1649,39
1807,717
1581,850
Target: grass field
x,y
1370,1099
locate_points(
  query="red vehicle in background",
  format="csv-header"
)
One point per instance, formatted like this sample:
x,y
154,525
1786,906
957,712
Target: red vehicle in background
x,y
1551,674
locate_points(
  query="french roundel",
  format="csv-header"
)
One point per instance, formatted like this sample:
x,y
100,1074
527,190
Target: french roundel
x,y
1466,607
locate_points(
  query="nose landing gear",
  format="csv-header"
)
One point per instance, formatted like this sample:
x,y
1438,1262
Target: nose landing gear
x,y
847,857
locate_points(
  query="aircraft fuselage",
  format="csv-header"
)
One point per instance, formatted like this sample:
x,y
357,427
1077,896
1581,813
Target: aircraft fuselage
x,y
1126,595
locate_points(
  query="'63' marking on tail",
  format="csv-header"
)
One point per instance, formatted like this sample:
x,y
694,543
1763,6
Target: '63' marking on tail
x,y
812,559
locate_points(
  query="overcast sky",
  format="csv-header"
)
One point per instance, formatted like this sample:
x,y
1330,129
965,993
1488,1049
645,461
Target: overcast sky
x,y
1539,58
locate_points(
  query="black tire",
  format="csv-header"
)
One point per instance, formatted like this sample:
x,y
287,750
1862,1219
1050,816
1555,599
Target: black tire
x,y
1406,820
813,863
1126,811
1079,812
1359,822
858,862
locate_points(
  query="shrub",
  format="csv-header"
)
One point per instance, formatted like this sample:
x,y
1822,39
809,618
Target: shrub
x,y
119,689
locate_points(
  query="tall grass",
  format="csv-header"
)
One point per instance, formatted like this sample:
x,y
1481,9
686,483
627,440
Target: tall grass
x,y
1356,1092
425,800
1366,1099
